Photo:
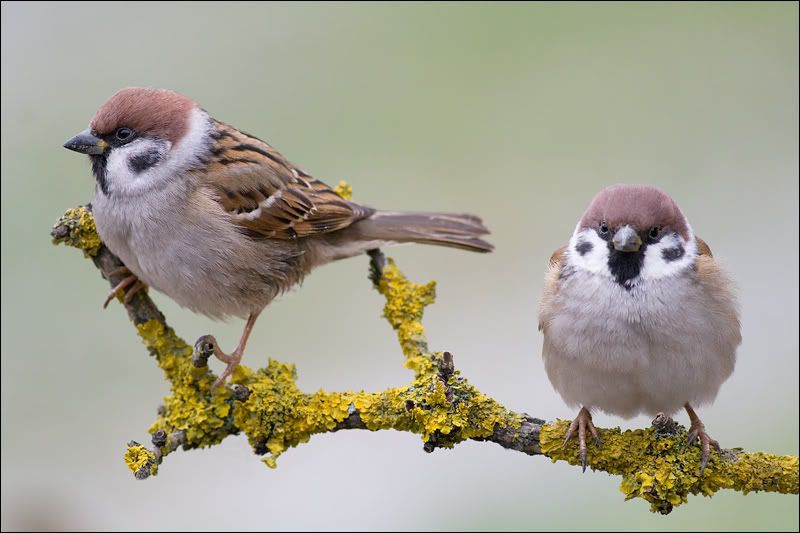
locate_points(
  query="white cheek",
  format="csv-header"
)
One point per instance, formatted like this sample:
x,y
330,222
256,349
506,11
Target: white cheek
x,y
120,175
594,260
656,266
187,153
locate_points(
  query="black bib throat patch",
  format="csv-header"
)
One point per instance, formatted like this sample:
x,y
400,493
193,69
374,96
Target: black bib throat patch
x,y
625,266
99,169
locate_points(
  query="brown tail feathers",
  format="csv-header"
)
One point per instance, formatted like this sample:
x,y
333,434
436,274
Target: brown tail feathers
x,y
443,229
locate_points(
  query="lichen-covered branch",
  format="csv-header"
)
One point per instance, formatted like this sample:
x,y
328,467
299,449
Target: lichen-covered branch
x,y
439,404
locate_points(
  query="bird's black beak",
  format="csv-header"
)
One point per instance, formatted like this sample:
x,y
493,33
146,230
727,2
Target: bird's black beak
x,y
86,143
626,240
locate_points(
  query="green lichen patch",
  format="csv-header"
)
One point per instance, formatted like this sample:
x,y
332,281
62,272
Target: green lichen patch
x,y
76,228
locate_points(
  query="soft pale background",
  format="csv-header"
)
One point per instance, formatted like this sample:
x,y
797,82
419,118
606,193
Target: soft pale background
x,y
517,112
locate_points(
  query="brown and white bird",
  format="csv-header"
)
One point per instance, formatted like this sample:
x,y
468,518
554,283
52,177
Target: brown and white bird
x,y
637,316
217,219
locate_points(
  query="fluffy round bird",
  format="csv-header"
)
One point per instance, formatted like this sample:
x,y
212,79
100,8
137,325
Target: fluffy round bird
x,y
220,221
637,316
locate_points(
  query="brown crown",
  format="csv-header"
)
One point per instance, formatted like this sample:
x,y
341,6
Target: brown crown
x,y
640,206
154,111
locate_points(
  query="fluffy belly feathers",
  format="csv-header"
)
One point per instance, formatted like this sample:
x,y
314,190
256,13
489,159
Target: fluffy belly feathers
x,y
643,351
235,279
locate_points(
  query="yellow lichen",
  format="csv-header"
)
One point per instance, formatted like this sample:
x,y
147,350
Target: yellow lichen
x,y
141,461
81,231
664,471
277,415
405,305
192,408
344,190
442,407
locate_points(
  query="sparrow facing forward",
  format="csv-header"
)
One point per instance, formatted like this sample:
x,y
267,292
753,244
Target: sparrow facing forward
x,y
637,316
217,219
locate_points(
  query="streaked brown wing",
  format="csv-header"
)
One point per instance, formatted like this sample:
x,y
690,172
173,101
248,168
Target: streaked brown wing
x,y
702,247
557,259
270,197
550,290
721,297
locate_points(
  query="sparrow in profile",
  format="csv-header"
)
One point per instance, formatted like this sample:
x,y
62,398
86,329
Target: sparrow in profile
x,y
637,316
217,219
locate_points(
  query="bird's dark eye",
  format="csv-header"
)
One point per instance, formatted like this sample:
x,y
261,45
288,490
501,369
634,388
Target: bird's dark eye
x,y
654,233
123,134
603,228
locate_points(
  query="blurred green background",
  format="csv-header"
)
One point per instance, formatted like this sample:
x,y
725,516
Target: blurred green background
x,y
519,112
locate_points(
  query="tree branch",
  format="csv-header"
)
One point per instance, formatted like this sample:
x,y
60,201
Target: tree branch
x,y
439,404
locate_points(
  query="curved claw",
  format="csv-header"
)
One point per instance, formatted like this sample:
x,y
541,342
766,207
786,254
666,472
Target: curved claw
x,y
697,432
706,442
135,288
582,422
119,271
131,279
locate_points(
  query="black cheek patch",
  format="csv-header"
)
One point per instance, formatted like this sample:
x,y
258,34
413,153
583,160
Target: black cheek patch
x,y
584,247
673,254
141,162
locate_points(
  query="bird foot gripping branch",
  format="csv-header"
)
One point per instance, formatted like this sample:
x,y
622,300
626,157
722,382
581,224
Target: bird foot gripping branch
x,y
439,404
